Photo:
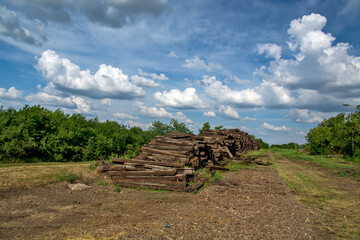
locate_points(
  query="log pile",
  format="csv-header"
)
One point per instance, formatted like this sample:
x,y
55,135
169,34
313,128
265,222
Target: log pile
x,y
169,162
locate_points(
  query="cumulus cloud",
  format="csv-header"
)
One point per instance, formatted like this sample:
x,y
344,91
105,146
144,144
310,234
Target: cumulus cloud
x,y
319,75
109,13
105,102
223,93
182,117
10,26
77,104
144,82
11,94
276,129
172,54
125,116
271,50
274,96
152,112
229,112
209,114
188,99
198,63
107,82
153,76
304,116
132,123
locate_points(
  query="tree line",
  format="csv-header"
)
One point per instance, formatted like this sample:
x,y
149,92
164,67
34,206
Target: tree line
x,y
337,135
34,134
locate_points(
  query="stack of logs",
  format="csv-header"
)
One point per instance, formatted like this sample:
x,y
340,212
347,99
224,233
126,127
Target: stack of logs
x,y
169,162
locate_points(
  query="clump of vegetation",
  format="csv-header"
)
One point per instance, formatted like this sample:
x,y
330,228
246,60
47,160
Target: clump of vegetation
x,y
337,135
35,134
117,188
66,176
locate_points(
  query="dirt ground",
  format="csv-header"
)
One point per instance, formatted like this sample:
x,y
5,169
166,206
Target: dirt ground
x,y
249,204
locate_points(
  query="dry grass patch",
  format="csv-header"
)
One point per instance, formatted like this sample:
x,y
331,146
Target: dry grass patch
x,y
35,175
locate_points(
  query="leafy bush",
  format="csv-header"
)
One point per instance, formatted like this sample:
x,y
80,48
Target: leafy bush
x,y
34,134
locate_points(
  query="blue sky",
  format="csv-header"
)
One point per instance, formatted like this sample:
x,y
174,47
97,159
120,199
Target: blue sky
x,y
274,69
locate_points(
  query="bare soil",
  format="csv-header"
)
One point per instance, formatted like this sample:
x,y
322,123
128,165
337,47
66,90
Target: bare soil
x,y
253,203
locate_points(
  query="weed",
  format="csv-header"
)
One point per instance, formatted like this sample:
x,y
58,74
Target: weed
x,y
66,176
234,167
117,188
102,183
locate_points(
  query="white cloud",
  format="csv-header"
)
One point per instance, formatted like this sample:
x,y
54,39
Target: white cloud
x,y
273,128
107,82
154,76
78,104
271,50
209,114
144,82
182,117
229,112
304,116
188,99
105,102
11,94
301,133
172,54
223,93
198,63
274,96
10,26
319,75
125,116
132,123
152,112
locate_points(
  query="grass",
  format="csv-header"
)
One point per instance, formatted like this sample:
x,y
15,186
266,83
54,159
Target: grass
x,y
117,188
339,165
317,182
25,175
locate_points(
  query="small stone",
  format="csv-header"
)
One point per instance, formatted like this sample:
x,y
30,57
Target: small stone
x,y
78,186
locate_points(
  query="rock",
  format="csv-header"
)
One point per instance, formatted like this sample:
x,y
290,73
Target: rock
x,y
78,187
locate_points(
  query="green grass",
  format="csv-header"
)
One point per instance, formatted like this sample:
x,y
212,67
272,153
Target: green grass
x,y
117,188
343,167
102,183
234,167
316,181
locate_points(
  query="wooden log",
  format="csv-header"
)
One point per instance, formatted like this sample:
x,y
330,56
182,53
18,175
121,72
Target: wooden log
x,y
142,173
169,147
166,140
151,150
178,177
228,152
154,186
150,182
186,171
164,164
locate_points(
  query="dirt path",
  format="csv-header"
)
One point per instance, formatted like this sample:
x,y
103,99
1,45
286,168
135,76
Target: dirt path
x,y
249,204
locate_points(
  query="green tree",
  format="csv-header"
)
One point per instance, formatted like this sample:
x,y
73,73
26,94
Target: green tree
x,y
206,125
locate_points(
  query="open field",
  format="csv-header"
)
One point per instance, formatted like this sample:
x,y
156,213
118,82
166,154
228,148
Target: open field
x,y
296,198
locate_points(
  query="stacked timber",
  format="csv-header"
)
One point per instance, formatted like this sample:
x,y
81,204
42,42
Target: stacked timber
x,y
169,161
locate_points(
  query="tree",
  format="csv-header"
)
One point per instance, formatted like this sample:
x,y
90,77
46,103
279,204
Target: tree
x,y
206,125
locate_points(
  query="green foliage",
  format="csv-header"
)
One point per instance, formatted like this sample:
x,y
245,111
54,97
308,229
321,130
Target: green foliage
x,y
35,134
206,125
66,176
160,128
337,135
219,127
117,188
286,146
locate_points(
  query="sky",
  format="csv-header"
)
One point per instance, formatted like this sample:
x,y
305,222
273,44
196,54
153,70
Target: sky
x,y
272,68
